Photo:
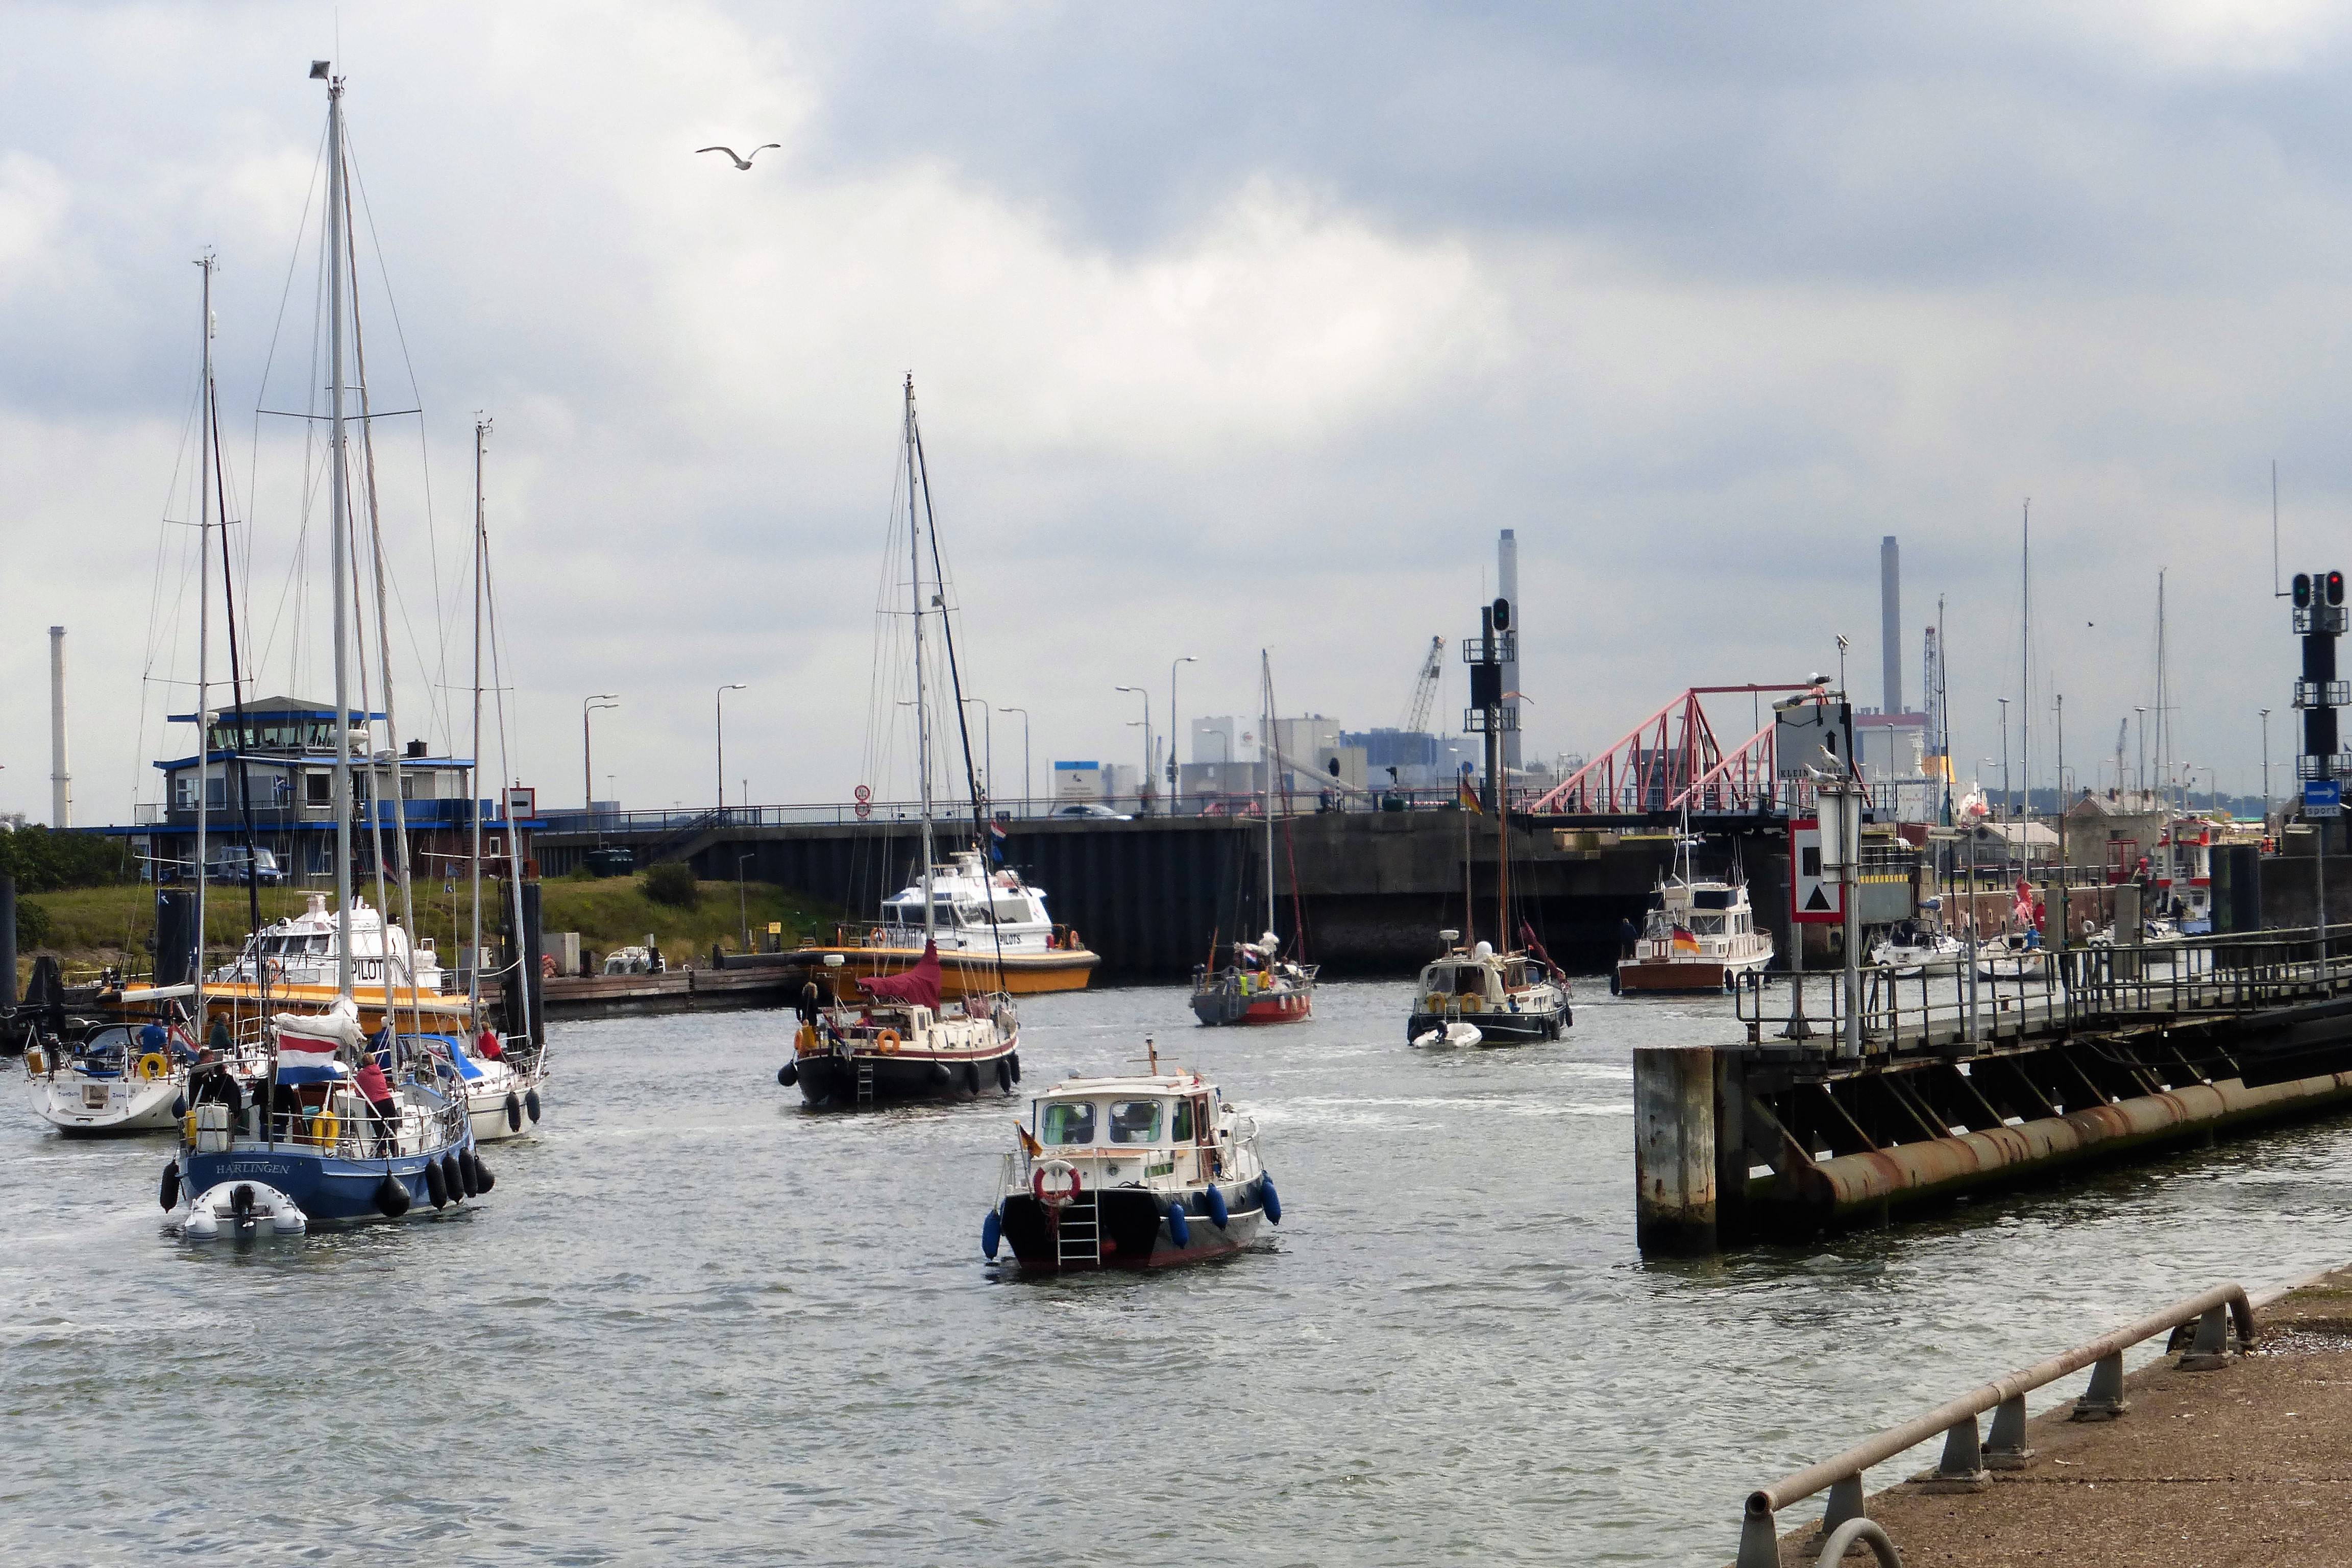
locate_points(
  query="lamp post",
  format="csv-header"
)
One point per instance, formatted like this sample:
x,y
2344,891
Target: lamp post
x,y
2007,807
1024,756
1172,731
587,769
1140,691
719,724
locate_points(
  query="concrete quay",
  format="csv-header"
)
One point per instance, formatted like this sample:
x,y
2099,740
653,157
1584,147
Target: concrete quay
x,y
2246,1465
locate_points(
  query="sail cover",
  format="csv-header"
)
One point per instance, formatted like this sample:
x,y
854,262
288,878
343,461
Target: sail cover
x,y
919,985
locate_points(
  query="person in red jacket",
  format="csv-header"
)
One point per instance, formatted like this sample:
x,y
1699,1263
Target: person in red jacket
x,y
487,1046
376,1089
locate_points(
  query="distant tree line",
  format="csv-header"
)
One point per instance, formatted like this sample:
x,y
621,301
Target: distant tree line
x,y
44,861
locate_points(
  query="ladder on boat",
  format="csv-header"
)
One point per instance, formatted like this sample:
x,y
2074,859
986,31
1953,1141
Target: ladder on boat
x,y
865,1083
1077,1236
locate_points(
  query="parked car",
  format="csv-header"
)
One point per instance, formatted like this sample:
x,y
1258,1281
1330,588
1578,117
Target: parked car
x,y
234,863
1090,809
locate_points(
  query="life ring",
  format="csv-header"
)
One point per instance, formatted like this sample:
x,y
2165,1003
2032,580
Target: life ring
x,y
874,937
1474,1004
1074,944
888,1042
1059,1195
325,1130
271,968
154,1065
1436,1001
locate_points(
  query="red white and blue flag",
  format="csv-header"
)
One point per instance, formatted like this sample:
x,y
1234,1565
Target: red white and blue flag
x,y
996,842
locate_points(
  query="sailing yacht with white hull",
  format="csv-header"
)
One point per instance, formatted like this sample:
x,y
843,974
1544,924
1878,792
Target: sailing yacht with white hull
x,y
344,1126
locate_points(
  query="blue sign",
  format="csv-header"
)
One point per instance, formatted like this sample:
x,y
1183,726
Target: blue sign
x,y
2323,798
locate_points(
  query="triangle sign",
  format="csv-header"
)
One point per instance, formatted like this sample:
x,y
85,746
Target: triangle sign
x,y
1819,901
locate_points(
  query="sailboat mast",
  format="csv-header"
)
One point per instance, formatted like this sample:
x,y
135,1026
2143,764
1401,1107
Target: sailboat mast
x,y
339,567
474,851
2025,662
203,643
922,705
1267,752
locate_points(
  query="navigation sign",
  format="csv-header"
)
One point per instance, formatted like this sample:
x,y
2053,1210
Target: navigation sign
x,y
2323,798
1814,896
862,793
864,810
523,803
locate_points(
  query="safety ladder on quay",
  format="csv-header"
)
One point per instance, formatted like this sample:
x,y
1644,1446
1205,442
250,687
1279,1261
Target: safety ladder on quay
x,y
1077,1233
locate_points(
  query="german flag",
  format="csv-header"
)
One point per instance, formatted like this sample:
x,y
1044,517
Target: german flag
x,y
1470,797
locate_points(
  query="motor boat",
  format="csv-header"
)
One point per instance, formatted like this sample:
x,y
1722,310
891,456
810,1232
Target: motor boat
x,y
1130,1172
1505,998
237,1210
1910,949
119,1079
1700,935
991,927
902,1041
1259,986
1454,1036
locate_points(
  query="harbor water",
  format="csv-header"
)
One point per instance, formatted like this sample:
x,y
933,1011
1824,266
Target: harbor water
x,y
696,1323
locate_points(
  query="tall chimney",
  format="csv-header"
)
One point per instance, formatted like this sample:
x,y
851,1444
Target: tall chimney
x,y
1506,583
1890,612
60,775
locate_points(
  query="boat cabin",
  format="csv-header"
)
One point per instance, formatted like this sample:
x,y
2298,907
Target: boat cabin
x,y
1479,977
1130,1130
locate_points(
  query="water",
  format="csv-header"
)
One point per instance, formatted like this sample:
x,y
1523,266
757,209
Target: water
x,y
695,1324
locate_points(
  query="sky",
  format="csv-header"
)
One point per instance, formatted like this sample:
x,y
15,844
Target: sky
x,y
1231,326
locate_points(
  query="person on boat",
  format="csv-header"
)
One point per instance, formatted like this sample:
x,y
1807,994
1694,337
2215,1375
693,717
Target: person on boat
x,y
2041,915
1627,935
376,1089
152,1040
487,1046
217,1039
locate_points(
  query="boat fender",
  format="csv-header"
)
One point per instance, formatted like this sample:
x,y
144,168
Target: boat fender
x,y
941,1077
788,1075
1178,1231
991,1231
170,1195
482,1177
391,1197
179,1106
467,1183
436,1186
452,1180
1216,1198
1003,1075
530,1104
1616,988
1015,1059
514,1112
971,1079
1269,1199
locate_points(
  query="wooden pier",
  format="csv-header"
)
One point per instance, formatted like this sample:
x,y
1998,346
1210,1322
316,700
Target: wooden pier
x,y
2109,1053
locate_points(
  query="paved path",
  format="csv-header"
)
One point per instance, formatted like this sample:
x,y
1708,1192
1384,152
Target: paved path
x,y
2249,1467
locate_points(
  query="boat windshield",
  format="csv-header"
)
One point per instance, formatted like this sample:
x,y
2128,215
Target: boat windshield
x,y
1069,1121
1135,1120
1706,925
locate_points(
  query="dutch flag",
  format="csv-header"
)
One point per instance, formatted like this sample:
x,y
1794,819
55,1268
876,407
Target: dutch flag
x,y
996,842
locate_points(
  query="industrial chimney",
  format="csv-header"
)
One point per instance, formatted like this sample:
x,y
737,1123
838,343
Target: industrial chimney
x,y
1506,583
60,775
1890,613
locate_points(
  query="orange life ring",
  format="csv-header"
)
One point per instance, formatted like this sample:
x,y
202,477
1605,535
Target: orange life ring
x,y
1073,944
1058,1196
874,937
888,1042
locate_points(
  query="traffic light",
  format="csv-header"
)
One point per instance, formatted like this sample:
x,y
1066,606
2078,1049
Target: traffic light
x,y
2303,590
2335,587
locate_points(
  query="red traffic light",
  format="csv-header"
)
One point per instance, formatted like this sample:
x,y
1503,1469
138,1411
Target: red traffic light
x,y
2335,587
2303,590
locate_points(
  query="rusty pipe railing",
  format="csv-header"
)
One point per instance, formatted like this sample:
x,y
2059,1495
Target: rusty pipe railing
x,y
1840,1477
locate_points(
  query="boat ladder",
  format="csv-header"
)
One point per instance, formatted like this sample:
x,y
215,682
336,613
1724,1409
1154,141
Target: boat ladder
x,y
865,1083
1077,1236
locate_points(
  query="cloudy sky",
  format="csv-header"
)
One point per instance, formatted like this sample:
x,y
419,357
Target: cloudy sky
x,y
1233,325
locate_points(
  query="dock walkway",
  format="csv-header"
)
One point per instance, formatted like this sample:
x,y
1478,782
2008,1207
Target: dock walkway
x,y
2247,1466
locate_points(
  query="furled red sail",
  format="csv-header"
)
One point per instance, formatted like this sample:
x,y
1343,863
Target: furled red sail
x,y
918,986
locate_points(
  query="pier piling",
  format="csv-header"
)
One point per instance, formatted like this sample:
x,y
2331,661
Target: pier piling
x,y
1674,1149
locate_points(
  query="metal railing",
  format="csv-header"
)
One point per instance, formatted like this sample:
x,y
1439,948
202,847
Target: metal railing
x,y
1965,1461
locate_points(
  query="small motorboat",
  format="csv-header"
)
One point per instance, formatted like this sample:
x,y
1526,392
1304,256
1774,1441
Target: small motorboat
x,y
112,1082
1130,1172
1455,1035
238,1209
1514,997
1910,949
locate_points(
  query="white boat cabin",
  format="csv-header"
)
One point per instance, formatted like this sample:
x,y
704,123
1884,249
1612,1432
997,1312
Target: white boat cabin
x,y
973,909
1480,978
1172,1130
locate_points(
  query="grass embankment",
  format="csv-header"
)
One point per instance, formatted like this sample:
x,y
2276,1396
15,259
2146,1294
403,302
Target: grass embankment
x,y
90,928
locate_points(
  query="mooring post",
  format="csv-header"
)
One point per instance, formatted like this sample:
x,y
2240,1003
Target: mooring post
x,y
1674,1150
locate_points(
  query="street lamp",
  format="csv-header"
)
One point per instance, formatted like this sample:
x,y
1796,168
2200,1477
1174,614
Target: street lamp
x,y
1188,659
1024,756
718,723
1140,691
587,771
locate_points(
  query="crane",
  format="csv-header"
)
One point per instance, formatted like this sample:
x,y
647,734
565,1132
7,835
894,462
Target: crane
x,y
1424,688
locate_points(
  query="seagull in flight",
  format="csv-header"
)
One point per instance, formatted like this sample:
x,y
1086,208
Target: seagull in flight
x,y
743,160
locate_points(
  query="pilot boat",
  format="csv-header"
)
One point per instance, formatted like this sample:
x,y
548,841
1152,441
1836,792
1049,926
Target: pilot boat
x,y
1701,936
991,929
903,1042
1130,1172
112,1082
1476,995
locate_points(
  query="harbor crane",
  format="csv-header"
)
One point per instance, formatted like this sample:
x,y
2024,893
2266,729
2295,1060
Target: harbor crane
x,y
1424,689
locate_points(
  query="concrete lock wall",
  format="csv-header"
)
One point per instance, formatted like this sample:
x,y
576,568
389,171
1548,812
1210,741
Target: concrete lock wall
x,y
1674,1149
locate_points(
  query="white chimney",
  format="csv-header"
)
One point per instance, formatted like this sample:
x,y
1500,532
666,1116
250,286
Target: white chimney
x,y
60,775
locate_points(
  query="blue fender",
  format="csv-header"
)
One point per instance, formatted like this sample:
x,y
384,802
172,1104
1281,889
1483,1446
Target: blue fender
x,y
1178,1231
991,1231
1216,1205
1270,1198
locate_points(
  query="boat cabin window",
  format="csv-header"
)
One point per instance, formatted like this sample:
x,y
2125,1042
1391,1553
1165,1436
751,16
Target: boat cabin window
x,y
1468,979
1009,912
1706,925
1183,1130
1069,1121
1711,899
1135,1120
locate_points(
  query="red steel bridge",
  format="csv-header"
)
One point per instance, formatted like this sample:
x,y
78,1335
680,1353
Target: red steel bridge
x,y
1672,762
